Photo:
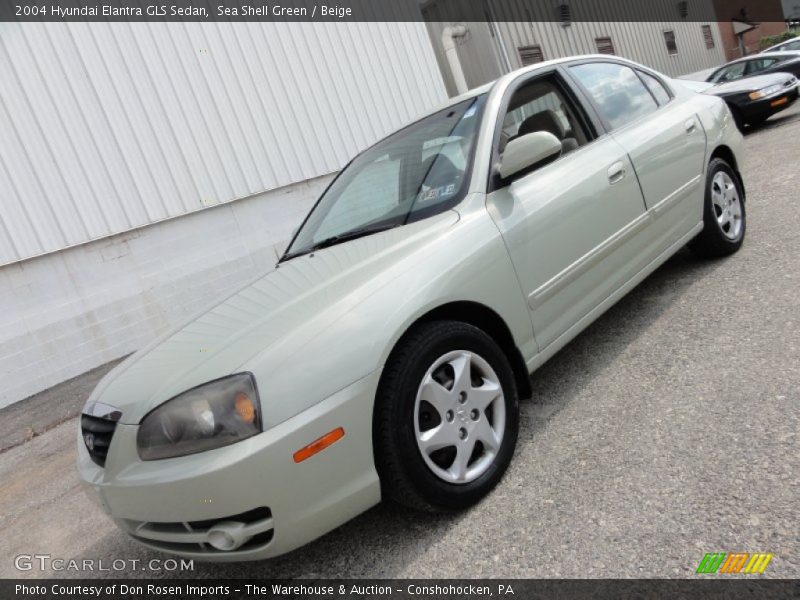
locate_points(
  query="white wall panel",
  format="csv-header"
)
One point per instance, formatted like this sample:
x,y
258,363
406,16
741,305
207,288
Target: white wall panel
x,y
107,127
67,312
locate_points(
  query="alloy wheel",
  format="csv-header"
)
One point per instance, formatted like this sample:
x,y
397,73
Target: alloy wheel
x,y
727,205
459,416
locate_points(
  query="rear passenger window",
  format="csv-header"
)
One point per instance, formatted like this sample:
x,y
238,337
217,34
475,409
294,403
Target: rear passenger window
x,y
656,87
619,94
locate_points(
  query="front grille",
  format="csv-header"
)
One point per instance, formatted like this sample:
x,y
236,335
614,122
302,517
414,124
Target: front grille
x,y
193,536
97,434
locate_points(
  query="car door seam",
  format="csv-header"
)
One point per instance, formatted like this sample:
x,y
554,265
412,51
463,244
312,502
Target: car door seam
x,y
513,266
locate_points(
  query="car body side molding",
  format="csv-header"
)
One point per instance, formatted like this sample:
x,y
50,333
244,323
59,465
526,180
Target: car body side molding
x,y
545,354
670,200
559,281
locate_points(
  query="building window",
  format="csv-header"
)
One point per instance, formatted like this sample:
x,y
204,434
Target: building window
x,y
529,55
669,38
604,45
708,36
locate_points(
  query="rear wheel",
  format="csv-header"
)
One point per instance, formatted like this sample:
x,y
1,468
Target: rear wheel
x,y
446,417
724,217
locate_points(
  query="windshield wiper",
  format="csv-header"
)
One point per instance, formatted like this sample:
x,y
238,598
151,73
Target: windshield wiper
x,y
339,238
350,235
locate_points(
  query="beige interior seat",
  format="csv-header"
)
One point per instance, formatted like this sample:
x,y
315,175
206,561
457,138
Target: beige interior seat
x,y
547,120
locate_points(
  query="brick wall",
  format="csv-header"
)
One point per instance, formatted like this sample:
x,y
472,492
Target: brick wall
x,y
768,14
64,313
751,38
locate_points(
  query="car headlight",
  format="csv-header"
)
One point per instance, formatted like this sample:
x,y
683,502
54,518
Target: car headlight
x,y
764,92
211,415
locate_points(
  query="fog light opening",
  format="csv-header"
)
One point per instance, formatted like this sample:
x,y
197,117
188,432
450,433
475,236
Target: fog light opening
x,y
227,536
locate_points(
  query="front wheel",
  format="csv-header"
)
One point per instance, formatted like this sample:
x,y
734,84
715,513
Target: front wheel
x,y
724,217
446,417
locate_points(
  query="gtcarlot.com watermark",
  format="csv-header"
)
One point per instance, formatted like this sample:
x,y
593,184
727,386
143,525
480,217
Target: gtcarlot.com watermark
x,y
46,562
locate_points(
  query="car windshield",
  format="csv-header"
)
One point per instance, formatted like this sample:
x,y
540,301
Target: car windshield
x,y
419,171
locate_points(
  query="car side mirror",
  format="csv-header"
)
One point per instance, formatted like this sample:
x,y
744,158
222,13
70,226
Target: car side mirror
x,y
527,151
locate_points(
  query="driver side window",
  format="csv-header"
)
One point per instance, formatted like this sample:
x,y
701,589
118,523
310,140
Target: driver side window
x,y
731,73
541,106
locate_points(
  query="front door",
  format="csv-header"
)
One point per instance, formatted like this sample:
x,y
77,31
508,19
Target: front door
x,y
567,225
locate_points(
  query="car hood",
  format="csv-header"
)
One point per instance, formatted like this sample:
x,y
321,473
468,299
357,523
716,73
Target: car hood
x,y
224,337
749,84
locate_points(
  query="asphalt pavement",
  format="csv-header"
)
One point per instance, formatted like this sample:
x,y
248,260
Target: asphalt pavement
x,y
667,430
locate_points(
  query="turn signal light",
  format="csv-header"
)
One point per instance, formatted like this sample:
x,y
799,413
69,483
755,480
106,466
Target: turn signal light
x,y
244,407
318,445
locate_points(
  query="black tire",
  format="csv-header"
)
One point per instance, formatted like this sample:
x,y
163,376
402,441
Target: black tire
x,y
405,476
713,241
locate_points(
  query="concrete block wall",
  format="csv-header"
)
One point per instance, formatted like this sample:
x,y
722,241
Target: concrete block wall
x,y
64,313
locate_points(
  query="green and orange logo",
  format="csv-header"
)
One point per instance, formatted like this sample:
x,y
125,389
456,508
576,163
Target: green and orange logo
x,y
734,562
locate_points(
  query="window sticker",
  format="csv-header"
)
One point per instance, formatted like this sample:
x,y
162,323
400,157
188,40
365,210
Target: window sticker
x,y
440,193
431,194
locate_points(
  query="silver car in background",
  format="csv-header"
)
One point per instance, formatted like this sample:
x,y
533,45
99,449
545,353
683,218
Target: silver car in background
x,y
792,45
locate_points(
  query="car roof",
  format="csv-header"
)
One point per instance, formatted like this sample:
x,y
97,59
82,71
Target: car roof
x,y
785,53
511,75
530,69
783,43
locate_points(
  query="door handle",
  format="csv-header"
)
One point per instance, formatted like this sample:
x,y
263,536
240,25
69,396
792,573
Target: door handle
x,y
690,125
616,172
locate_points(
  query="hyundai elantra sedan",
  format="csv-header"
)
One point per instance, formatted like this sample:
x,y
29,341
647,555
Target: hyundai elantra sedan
x,y
385,355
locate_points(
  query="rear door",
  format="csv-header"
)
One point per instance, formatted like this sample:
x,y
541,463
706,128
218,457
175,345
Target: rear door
x,y
567,224
664,139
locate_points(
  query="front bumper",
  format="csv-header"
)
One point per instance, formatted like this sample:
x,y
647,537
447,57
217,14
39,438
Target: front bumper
x,y
171,504
764,107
